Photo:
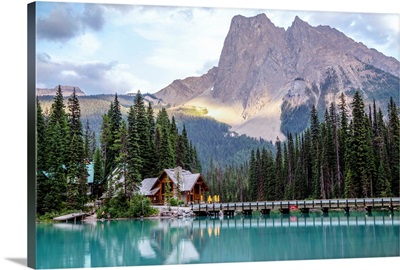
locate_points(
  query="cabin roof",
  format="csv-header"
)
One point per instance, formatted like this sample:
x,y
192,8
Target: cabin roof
x,y
146,186
89,169
188,179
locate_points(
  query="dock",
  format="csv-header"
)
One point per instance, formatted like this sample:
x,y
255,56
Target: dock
x,y
74,216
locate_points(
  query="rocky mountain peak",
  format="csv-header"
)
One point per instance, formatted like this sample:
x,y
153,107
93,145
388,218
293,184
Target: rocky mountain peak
x,y
267,74
297,22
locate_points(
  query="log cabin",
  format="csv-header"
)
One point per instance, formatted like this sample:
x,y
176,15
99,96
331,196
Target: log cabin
x,y
184,185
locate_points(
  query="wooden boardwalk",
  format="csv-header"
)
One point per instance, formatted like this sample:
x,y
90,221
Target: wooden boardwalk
x,y
303,205
74,216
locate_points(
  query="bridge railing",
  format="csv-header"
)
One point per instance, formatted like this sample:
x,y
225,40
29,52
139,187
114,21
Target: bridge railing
x,y
320,203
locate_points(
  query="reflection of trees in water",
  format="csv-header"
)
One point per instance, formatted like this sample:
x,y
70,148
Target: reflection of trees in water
x,y
176,241
63,241
208,240
288,238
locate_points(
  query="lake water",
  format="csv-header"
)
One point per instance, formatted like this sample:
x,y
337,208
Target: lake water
x,y
216,240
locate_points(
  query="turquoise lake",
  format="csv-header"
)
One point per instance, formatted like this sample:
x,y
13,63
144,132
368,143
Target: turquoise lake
x,y
218,240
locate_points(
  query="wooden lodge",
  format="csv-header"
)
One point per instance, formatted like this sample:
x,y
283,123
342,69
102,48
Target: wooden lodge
x,y
184,185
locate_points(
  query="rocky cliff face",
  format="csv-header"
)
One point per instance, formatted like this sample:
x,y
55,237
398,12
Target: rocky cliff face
x,y
268,77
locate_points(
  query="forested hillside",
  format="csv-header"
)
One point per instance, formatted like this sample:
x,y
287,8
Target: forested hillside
x,y
352,152
140,146
226,147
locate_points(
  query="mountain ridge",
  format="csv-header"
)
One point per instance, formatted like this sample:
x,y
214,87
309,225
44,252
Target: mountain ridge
x,y
266,74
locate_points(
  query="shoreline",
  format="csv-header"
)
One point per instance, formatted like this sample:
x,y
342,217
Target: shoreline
x,y
186,212
296,212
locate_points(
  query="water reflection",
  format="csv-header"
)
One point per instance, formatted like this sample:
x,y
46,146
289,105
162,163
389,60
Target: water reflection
x,y
212,240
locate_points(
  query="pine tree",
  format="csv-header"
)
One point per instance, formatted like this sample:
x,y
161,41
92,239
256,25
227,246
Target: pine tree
x,y
279,186
121,147
165,153
143,134
106,145
134,162
186,149
57,153
394,146
98,174
42,186
343,138
77,173
87,149
114,118
360,151
152,151
316,153
253,177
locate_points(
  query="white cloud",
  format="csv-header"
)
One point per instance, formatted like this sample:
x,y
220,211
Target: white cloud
x,y
86,45
152,46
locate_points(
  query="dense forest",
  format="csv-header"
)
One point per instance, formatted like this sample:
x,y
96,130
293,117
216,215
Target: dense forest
x,y
210,137
353,152
142,146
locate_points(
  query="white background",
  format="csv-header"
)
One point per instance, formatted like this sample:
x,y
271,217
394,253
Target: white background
x,y
13,130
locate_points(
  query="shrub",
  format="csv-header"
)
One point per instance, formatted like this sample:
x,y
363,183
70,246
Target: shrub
x,y
173,202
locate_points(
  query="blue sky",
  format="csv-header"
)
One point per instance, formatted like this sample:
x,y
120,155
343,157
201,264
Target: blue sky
x,y
106,48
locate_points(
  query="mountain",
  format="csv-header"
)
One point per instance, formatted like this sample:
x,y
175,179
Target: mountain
x,y
66,90
268,78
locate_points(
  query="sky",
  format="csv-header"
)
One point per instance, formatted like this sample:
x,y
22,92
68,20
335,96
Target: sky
x,y
104,48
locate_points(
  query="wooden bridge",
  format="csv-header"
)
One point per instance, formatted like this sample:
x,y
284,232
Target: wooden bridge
x,y
304,206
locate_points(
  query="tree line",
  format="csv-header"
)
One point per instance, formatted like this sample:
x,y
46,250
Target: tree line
x,y
141,145
353,152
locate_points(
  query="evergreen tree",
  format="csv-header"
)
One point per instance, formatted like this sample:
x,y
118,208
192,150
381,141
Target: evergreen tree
x,y
114,118
316,153
279,186
134,162
253,177
343,138
152,126
360,146
106,145
185,149
57,152
98,174
121,147
42,186
394,146
87,142
77,173
143,136
165,153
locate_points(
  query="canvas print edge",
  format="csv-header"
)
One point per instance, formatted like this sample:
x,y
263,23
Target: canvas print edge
x,y
31,140
31,110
